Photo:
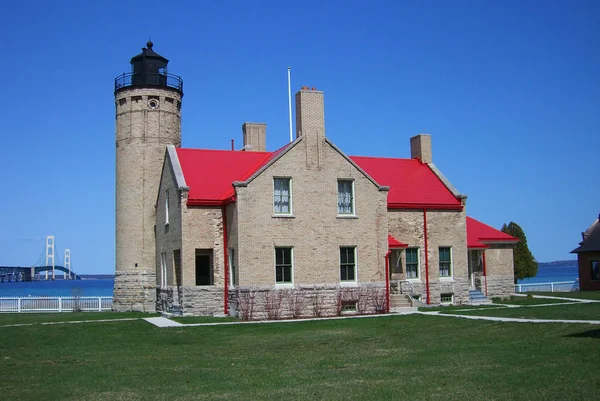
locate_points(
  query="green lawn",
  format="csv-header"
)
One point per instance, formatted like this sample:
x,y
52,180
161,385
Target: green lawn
x,y
204,319
517,300
579,311
392,357
457,308
34,318
575,294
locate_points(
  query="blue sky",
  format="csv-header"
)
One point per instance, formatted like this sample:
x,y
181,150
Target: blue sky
x,y
509,91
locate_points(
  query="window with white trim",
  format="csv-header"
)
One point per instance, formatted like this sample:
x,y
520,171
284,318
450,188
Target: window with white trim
x,y
163,270
283,265
445,255
347,263
282,195
232,278
412,262
346,197
166,207
447,298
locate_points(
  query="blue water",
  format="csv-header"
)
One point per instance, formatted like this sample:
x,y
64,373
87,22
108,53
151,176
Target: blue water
x,y
104,287
553,274
58,288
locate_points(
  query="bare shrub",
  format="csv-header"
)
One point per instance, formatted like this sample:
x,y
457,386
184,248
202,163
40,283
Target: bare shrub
x,y
77,294
272,303
363,298
296,301
379,300
318,304
245,303
343,295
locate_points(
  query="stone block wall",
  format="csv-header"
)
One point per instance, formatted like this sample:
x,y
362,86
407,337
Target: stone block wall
x,y
266,303
500,271
134,291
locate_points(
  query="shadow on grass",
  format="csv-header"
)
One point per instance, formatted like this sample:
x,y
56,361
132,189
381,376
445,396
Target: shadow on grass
x,y
595,333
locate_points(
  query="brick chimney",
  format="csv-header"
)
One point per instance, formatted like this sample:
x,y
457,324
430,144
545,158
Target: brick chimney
x,y
255,137
310,112
310,124
420,148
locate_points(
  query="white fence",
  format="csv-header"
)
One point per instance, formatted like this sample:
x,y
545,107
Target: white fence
x,y
562,286
55,304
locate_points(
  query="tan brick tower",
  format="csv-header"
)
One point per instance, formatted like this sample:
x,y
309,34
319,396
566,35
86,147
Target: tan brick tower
x,y
148,117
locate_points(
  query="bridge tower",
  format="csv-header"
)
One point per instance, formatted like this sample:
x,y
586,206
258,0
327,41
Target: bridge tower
x,y
68,262
148,118
50,255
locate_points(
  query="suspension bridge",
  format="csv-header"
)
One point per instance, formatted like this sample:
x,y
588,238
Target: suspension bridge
x,y
48,263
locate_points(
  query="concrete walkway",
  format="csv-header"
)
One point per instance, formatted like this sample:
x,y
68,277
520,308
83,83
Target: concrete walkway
x,y
510,319
162,322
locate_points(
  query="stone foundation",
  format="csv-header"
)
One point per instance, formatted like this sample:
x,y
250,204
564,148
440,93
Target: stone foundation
x,y
500,286
202,301
134,291
306,301
459,288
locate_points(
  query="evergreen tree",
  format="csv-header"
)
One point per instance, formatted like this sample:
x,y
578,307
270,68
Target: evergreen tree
x,y
524,262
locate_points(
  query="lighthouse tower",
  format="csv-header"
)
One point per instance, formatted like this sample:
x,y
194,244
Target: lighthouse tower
x,y
148,117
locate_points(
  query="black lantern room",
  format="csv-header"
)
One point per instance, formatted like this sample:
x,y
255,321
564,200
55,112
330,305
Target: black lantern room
x,y
148,69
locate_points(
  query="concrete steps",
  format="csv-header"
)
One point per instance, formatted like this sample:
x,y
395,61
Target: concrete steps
x,y
400,301
477,298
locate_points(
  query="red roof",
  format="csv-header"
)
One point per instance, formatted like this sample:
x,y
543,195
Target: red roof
x,y
210,173
394,243
479,234
412,183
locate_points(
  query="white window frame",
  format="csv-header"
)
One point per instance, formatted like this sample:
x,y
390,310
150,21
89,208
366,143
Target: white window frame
x,y
232,281
447,302
284,283
348,282
166,207
352,194
449,277
275,211
163,270
418,250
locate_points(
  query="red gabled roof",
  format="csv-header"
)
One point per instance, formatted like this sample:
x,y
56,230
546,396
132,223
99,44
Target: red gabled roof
x,y
412,183
480,234
210,173
394,243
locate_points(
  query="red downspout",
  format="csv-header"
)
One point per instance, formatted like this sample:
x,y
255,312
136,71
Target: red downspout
x,y
426,256
485,273
226,262
387,280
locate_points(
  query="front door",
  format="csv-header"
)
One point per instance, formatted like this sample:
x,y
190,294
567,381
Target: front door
x,y
473,268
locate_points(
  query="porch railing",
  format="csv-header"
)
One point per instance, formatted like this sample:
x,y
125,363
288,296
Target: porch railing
x,y
561,286
55,304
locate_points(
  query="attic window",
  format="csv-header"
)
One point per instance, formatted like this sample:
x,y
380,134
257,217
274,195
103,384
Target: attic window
x,y
346,197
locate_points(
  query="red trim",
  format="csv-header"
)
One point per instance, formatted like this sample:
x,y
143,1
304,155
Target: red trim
x,y
387,280
210,202
485,274
426,255
226,262
428,206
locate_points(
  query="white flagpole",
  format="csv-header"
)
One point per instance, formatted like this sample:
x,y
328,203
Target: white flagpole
x,y
290,103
